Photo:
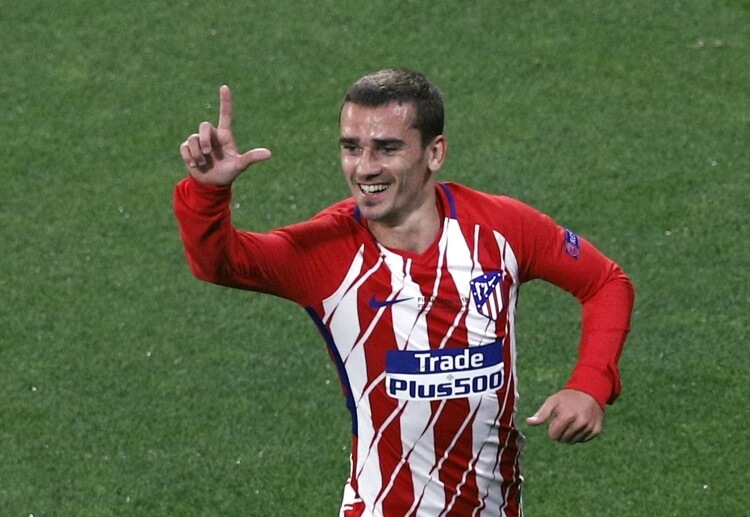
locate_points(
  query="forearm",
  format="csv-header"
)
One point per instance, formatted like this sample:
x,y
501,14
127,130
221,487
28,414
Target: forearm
x,y
204,218
605,325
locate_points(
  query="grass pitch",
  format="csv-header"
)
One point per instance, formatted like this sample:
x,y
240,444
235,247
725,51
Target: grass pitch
x,y
129,388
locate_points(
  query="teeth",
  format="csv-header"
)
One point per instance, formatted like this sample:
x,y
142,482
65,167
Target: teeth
x,y
372,189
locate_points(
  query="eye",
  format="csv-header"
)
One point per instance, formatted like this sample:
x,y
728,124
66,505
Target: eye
x,y
349,148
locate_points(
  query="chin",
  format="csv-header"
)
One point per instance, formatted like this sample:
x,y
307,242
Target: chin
x,y
372,213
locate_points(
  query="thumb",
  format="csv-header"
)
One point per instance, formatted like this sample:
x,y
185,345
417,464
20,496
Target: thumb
x,y
253,156
541,415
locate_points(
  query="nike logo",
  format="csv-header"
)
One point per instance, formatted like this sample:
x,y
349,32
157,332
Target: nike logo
x,y
374,303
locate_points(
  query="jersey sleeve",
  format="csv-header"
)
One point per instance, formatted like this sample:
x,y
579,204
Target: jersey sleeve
x,y
559,256
285,262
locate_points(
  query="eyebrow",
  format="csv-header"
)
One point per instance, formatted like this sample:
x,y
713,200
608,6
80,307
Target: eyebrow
x,y
379,142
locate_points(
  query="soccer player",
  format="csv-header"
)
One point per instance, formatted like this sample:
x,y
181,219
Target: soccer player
x,y
413,284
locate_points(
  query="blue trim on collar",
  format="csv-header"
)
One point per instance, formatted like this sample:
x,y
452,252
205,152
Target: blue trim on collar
x,y
451,201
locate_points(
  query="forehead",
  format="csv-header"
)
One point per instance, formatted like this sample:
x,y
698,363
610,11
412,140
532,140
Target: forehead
x,y
389,120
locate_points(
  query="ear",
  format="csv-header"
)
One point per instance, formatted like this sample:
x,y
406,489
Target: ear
x,y
436,151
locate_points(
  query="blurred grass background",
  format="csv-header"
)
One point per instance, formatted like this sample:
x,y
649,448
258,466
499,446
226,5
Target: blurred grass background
x,y
129,388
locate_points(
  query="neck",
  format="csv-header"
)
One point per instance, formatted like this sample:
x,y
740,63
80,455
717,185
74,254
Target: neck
x,y
414,234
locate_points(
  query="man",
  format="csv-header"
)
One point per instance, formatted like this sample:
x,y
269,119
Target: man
x,y
414,285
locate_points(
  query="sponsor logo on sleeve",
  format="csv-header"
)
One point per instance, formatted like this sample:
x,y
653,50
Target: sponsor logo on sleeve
x,y
572,244
446,373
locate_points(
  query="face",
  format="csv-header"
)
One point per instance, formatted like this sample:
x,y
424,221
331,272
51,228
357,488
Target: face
x,y
389,174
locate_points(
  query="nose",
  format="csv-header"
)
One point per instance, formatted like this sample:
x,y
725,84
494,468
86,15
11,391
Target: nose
x,y
367,164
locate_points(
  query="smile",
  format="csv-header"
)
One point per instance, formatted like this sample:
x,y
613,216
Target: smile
x,y
373,189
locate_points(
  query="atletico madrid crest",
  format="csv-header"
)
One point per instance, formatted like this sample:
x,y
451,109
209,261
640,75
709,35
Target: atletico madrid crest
x,y
487,293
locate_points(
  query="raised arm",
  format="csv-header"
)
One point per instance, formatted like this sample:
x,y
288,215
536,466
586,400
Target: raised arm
x,y
276,262
216,251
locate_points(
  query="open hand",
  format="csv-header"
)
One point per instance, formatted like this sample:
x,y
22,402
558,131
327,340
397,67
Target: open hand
x,y
211,154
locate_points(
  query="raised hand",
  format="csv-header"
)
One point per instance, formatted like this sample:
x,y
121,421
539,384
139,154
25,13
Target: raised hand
x,y
211,154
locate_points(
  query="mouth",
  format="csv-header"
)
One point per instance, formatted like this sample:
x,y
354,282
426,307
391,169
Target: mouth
x,y
376,188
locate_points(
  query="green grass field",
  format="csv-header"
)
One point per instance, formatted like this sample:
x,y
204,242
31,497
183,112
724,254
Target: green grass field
x,y
129,388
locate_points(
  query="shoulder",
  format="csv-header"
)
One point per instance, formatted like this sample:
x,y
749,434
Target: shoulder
x,y
341,216
486,206
344,209
334,224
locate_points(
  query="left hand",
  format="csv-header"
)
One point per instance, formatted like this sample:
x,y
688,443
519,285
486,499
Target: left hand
x,y
575,416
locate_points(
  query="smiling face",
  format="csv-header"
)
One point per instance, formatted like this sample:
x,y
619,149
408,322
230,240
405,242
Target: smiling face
x,y
390,175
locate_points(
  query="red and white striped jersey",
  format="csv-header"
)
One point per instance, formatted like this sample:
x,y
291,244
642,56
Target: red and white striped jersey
x,y
424,344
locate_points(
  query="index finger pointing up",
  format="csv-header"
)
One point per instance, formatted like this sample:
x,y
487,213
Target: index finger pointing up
x,y
225,108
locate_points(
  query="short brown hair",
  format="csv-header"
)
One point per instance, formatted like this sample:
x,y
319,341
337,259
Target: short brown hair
x,y
403,86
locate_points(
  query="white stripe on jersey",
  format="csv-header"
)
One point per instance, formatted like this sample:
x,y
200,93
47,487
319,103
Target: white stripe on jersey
x,y
453,251
480,330
511,267
410,331
341,307
341,313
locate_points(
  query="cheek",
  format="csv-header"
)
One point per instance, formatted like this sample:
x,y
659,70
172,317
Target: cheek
x,y
413,179
347,165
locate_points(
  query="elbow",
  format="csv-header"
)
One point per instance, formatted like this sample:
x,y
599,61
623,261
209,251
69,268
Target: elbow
x,y
628,288
201,272
213,273
202,275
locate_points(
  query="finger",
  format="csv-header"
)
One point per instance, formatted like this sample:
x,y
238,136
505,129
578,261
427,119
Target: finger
x,y
542,415
578,431
253,156
584,428
572,434
194,146
225,108
576,435
588,433
562,429
205,132
186,156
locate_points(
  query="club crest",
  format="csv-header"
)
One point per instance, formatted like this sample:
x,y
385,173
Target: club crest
x,y
487,294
